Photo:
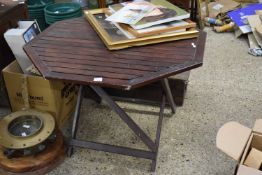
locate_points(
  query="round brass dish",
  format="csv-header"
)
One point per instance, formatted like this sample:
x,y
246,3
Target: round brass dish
x,y
25,126
24,129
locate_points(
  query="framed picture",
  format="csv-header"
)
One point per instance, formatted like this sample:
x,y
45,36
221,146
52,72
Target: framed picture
x,y
163,28
115,37
31,32
174,26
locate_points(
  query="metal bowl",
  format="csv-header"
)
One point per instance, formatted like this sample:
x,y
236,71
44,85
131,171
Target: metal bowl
x,y
25,126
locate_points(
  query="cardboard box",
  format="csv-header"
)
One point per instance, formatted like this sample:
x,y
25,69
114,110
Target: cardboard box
x,y
255,21
237,141
259,12
218,6
247,1
239,16
259,30
27,91
254,159
18,37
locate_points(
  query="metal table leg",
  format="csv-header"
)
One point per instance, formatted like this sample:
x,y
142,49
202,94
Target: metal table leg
x,y
152,145
122,114
169,95
76,118
158,131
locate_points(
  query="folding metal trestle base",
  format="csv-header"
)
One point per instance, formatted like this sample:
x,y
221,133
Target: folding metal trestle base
x,y
152,145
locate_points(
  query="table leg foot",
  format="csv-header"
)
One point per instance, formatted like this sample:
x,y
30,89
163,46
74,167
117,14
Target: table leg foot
x,y
158,131
70,151
153,166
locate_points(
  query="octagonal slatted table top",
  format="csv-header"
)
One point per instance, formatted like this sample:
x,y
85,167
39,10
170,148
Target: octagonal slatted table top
x,y
72,51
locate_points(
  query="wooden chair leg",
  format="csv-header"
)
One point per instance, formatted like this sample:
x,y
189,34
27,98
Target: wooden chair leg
x,y
199,14
101,3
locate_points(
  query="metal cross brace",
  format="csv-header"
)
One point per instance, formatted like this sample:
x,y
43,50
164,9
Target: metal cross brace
x,y
152,145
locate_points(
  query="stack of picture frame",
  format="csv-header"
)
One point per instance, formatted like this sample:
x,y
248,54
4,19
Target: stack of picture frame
x,y
120,36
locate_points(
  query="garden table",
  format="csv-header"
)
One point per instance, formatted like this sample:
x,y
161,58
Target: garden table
x,y
72,51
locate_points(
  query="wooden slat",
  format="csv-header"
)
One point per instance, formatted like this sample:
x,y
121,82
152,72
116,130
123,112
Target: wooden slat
x,y
145,53
37,62
68,41
62,69
187,65
77,36
115,65
169,46
105,59
72,35
156,76
84,79
95,68
95,52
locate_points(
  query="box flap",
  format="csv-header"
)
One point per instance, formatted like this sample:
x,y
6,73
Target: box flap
x,y
259,12
244,170
254,158
258,126
232,138
13,68
254,21
259,29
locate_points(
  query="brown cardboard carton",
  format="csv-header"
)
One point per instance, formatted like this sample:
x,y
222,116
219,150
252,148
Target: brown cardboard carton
x,y
27,91
259,30
237,141
255,21
254,159
258,12
244,170
219,6
247,1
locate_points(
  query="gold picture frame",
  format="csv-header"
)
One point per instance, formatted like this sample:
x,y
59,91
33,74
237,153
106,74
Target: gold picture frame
x,y
190,26
95,18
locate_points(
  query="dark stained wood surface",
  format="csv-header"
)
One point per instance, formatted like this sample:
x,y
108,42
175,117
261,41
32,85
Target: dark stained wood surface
x,y
72,51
